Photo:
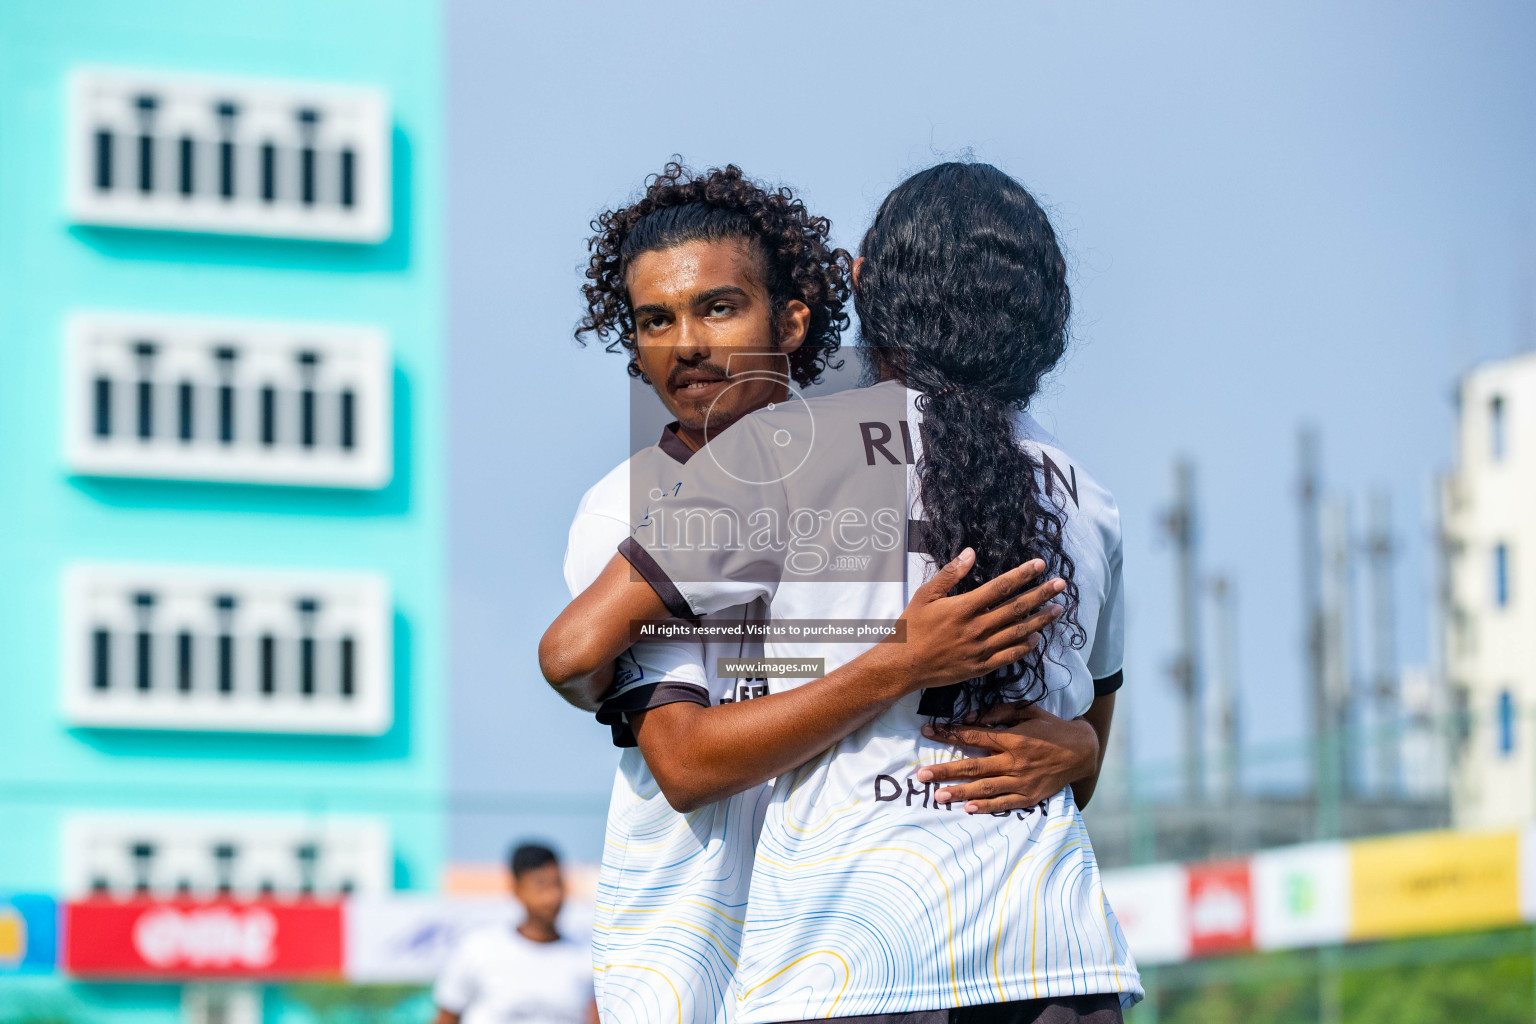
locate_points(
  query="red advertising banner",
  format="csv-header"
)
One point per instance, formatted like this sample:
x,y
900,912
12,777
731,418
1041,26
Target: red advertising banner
x,y
1220,908
179,939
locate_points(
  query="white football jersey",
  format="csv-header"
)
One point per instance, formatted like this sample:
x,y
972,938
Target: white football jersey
x,y
495,975
672,890
867,896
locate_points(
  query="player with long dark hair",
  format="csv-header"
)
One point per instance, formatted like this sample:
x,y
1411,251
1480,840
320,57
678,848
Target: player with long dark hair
x,y
962,296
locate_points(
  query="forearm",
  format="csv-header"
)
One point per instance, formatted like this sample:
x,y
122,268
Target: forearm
x,y
578,662
1082,789
577,651
585,690
1001,625
697,759
703,754
1099,715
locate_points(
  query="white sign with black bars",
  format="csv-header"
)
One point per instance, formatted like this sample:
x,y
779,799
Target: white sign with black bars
x,y
245,401
164,856
151,149
227,650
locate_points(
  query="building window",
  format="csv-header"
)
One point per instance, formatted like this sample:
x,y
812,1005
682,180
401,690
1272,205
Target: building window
x,y
1461,718
1496,427
1506,723
1461,633
227,155
1501,575
244,401
246,857
159,647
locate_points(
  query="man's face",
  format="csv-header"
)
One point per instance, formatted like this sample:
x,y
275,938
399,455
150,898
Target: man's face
x,y
702,309
541,891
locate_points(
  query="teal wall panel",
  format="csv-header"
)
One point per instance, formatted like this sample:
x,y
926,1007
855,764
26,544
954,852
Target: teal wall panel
x,y
49,267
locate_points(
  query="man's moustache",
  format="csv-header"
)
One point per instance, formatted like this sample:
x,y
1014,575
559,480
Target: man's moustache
x,y
675,376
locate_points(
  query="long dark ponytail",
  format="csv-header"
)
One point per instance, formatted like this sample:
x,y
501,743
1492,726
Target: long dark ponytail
x,y
963,296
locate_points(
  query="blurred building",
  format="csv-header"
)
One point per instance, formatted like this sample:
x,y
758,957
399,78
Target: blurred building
x,y
1490,644
1375,759
1425,767
222,533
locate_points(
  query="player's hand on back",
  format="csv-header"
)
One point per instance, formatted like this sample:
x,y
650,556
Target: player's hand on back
x,y
1030,755
950,638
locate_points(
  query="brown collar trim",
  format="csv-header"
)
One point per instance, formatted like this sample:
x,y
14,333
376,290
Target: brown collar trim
x,y
674,445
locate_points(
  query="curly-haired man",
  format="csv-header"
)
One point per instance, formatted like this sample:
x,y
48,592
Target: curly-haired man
x,y
705,281
703,268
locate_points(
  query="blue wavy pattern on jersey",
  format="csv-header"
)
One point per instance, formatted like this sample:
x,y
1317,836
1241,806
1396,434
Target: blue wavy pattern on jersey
x,y
671,903
861,909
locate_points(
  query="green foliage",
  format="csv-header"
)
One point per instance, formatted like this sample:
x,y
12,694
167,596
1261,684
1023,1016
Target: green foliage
x,y
337,1003
1496,991
1279,988
1486,977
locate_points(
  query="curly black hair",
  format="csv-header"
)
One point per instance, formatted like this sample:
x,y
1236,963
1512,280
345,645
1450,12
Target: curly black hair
x,y
679,206
963,296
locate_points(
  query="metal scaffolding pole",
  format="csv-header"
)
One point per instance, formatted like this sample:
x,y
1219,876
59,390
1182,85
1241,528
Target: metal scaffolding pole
x,y
1224,684
1312,615
1222,705
1180,526
1380,551
1338,658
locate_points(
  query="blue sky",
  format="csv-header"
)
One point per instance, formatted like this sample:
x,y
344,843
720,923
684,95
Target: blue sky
x,y
1276,214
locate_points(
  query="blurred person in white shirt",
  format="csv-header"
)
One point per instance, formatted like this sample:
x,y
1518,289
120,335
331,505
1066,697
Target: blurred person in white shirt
x,y
529,974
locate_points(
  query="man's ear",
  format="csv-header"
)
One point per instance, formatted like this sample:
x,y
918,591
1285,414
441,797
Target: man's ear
x,y
794,325
858,267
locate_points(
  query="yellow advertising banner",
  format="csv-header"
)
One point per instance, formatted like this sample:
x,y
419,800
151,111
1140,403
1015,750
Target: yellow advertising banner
x,y
1434,882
